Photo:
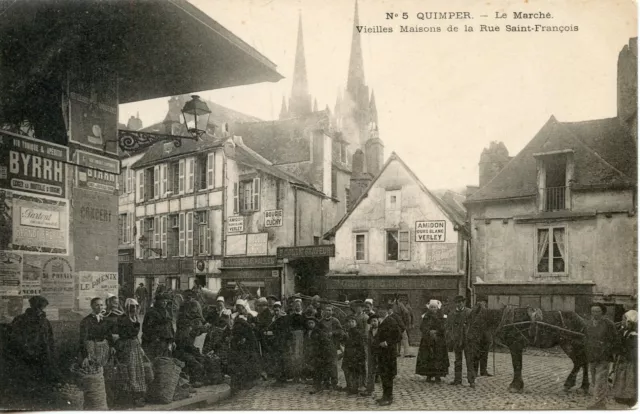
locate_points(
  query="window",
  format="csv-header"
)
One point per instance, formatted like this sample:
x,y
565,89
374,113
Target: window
x,y
122,220
150,183
392,245
249,195
361,247
189,243
156,237
201,172
551,250
148,237
172,178
404,251
122,178
236,198
172,236
203,233
190,175
553,175
393,200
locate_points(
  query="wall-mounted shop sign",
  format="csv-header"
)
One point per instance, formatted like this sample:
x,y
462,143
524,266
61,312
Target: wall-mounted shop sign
x,y
257,244
431,231
34,224
250,261
235,224
33,166
326,250
96,173
273,218
93,110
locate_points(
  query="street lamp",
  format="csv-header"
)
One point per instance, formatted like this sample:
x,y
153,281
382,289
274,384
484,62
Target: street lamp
x,y
196,119
196,116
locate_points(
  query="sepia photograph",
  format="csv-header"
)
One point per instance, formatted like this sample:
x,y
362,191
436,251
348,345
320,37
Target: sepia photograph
x,y
339,205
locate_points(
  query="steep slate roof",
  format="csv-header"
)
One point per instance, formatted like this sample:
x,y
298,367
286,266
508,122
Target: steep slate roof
x,y
282,141
219,115
447,210
604,156
156,152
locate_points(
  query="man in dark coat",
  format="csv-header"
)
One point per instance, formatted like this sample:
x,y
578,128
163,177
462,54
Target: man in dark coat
x,y
457,326
157,329
394,313
353,363
318,349
277,339
479,339
388,337
332,327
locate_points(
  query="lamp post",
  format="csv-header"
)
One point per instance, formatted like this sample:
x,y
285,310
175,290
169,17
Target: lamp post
x,y
195,114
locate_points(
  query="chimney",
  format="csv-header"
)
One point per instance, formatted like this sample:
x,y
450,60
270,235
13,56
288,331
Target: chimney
x,y
627,85
492,161
374,152
359,179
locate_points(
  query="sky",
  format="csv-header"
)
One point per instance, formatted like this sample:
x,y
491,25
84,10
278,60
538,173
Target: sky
x,y
441,97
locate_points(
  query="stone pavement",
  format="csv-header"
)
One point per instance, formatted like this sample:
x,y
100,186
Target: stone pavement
x,y
543,377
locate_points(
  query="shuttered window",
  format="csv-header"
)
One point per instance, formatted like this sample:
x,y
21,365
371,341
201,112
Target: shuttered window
x,y
210,170
181,235
189,251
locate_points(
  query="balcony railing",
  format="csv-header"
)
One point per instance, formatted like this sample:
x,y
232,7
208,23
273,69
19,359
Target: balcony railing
x,y
554,198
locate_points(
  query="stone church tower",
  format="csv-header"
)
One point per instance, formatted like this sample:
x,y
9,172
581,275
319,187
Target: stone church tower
x,y
356,113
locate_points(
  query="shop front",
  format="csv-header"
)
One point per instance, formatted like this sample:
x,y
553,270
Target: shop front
x,y
257,275
173,273
417,290
305,267
125,271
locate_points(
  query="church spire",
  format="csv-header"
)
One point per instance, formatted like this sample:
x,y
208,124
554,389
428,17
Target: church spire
x,y
373,110
300,101
355,77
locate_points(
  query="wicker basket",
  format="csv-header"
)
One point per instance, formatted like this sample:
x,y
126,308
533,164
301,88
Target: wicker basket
x,y
166,378
148,370
95,395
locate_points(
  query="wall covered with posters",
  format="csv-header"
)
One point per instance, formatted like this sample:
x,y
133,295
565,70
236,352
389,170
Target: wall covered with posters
x,y
95,284
95,227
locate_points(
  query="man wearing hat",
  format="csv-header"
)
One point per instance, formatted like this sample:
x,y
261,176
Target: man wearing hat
x,y
263,320
457,326
362,323
157,329
276,339
318,349
332,327
386,341
271,300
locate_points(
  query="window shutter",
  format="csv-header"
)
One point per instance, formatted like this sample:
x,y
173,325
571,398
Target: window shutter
x,y
163,235
209,229
256,194
190,174
210,169
236,199
156,181
163,180
181,177
129,184
189,234
137,241
181,235
140,196
156,234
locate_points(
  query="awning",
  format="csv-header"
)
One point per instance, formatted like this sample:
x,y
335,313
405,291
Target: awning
x,y
159,48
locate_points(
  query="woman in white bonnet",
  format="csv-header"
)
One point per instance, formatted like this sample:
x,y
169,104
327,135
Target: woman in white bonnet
x,y
625,384
244,360
433,359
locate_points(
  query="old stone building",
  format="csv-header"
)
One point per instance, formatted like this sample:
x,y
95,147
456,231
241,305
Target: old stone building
x,y
556,227
399,239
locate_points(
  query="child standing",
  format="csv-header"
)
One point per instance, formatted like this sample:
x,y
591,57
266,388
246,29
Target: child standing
x,y
353,363
372,365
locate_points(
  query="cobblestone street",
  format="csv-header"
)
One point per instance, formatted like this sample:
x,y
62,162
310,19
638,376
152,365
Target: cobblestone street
x,y
543,377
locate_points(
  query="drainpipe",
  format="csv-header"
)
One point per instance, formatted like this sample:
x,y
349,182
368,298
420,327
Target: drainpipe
x,y
295,216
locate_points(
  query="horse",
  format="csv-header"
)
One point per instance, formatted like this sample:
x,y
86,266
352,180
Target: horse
x,y
517,328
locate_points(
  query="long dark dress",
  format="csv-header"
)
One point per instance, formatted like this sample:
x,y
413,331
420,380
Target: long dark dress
x,y
625,384
157,333
433,359
130,356
244,361
354,361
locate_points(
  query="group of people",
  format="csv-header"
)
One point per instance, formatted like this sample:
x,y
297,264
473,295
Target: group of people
x,y
295,343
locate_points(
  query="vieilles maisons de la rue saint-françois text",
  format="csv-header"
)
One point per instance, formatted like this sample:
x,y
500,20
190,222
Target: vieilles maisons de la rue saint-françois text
x,y
466,16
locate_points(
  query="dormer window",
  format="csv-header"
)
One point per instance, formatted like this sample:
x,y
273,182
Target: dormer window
x,y
555,173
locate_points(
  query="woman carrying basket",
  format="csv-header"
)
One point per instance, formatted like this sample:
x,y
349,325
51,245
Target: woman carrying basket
x,y
132,382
